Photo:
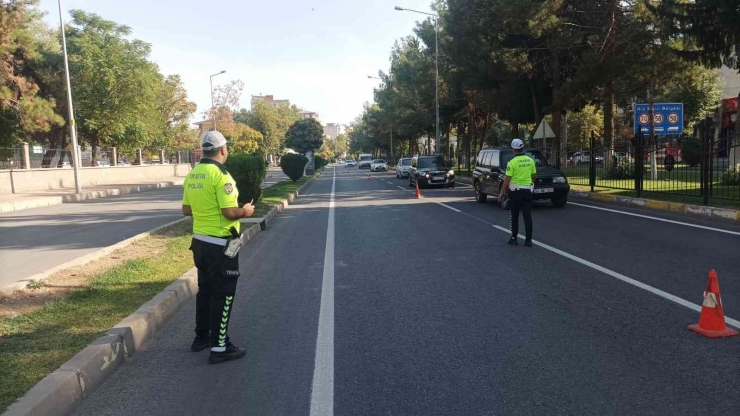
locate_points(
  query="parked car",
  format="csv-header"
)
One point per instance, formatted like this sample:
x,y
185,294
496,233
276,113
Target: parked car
x,y
490,172
65,165
402,167
365,161
351,163
430,171
102,164
584,157
378,165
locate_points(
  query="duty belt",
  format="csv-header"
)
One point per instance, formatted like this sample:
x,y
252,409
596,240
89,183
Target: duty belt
x,y
209,239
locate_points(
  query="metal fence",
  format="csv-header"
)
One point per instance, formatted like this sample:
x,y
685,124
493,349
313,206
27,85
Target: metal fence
x,y
704,168
11,158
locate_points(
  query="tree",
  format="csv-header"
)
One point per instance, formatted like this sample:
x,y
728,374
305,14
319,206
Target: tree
x,y
341,145
116,87
244,139
712,25
22,110
271,122
304,136
173,115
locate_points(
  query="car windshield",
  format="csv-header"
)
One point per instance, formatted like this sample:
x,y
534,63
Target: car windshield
x,y
432,163
539,159
378,161
363,158
405,162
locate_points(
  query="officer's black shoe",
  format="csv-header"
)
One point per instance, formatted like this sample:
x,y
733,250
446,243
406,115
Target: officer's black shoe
x,y
527,243
513,242
232,353
199,344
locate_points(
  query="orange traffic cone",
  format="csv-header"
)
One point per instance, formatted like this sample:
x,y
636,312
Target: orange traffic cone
x,y
712,319
417,195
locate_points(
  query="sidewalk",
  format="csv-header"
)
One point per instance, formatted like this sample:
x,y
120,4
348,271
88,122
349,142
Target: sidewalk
x,y
21,201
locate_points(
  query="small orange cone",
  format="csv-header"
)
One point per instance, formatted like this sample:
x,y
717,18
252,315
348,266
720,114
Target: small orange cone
x,y
418,194
712,319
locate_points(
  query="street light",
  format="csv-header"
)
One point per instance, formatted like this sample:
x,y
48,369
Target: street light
x,y
436,63
72,128
391,124
213,110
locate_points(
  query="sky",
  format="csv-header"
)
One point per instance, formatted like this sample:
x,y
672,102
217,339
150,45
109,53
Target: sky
x,y
316,53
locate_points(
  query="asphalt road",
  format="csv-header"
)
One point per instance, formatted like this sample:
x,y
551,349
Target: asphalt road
x,y
391,305
35,240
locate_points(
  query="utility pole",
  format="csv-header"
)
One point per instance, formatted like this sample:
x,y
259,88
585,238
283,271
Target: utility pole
x,y
72,123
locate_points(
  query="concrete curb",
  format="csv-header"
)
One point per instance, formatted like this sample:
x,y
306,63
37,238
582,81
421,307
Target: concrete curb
x,y
8,290
707,212
56,200
61,391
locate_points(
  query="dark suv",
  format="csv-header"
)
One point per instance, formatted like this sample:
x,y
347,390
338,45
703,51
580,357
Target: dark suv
x,y
431,170
489,175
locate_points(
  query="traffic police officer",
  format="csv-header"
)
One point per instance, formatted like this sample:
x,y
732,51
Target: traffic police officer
x,y
521,175
211,198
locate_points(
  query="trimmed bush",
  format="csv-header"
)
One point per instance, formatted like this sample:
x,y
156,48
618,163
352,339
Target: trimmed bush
x,y
731,177
293,165
319,162
691,152
623,169
249,173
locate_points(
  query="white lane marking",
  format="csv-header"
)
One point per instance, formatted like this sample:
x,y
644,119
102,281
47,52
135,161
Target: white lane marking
x,y
619,276
449,207
322,391
656,218
401,188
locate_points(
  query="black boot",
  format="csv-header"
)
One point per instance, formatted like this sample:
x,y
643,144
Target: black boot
x,y
232,353
527,243
513,242
200,343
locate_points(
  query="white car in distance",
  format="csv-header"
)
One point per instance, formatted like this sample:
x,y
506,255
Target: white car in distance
x,y
378,165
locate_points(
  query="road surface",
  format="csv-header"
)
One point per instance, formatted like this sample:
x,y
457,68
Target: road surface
x,y
35,240
385,304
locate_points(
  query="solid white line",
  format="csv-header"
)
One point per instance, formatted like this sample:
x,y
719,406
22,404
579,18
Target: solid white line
x,y
449,207
401,188
619,276
322,391
656,218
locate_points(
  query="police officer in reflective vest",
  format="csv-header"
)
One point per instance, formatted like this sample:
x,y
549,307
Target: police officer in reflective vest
x,y
211,198
521,175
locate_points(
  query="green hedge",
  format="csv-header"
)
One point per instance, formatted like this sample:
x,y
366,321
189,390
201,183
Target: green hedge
x,y
319,162
293,165
249,173
691,152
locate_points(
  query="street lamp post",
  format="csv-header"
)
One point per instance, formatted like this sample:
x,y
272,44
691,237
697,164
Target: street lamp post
x,y
391,124
213,110
72,128
436,65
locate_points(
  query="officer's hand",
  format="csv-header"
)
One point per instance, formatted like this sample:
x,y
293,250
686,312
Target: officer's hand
x,y
248,210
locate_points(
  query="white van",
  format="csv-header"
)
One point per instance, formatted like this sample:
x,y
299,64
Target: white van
x,y
365,160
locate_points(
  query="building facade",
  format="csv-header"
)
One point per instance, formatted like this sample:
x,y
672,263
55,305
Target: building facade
x,y
269,99
332,130
305,114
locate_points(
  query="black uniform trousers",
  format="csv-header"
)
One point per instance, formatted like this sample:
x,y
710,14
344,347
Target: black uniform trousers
x,y
217,278
521,200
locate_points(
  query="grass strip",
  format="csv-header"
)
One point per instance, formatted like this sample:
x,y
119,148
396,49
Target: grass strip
x,y
659,196
35,344
275,194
